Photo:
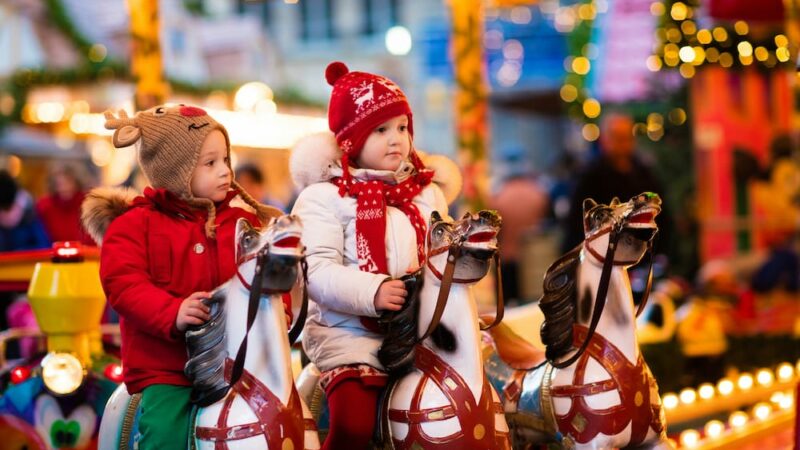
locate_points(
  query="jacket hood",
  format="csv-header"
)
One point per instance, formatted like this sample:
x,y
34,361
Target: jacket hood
x,y
103,205
317,158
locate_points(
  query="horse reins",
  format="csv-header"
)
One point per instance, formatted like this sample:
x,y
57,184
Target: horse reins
x,y
649,252
454,252
256,290
614,233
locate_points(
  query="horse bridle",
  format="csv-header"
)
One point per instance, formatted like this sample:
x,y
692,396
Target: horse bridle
x,y
454,252
614,231
256,291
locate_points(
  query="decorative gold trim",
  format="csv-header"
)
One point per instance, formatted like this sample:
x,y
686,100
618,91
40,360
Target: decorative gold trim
x,y
547,399
317,402
127,421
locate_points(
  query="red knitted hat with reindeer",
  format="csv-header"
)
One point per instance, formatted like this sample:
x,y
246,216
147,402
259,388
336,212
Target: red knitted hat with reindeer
x,y
359,103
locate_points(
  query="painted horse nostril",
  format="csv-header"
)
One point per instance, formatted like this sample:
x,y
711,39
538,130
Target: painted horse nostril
x,y
192,111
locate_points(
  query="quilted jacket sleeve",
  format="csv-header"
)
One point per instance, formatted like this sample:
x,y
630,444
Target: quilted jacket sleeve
x,y
331,283
126,280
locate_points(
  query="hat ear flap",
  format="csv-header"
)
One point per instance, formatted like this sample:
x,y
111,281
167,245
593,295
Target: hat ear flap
x,y
126,136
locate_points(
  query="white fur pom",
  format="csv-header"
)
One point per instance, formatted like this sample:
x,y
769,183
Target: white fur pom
x,y
313,158
447,174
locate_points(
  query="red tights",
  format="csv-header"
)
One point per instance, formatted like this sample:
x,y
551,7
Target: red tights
x,y
352,405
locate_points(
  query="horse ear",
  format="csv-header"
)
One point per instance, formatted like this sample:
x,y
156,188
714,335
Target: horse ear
x,y
242,226
588,204
614,202
436,217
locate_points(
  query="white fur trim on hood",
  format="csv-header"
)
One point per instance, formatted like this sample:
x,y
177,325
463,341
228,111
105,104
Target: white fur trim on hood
x,y
317,158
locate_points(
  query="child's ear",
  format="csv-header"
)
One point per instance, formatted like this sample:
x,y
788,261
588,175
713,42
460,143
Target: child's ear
x,y
126,136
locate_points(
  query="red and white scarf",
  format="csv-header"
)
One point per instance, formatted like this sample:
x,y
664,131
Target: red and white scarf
x,y
372,198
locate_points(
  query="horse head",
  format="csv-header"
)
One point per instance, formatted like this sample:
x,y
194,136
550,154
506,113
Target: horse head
x,y
631,223
466,247
276,248
471,241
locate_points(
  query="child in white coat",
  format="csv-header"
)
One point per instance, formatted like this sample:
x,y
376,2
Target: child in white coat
x,y
365,205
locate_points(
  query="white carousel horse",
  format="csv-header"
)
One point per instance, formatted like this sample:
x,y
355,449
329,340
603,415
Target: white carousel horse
x,y
262,409
440,397
594,391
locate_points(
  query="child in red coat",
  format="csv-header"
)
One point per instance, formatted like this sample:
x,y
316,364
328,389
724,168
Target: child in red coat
x,y
162,253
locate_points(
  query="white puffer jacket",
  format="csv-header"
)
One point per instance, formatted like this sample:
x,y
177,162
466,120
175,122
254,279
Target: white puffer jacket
x,y
340,292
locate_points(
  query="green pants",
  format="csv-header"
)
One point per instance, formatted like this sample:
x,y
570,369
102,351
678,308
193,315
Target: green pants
x,y
164,423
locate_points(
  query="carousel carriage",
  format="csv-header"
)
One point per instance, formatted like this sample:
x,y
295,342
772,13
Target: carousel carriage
x,y
55,399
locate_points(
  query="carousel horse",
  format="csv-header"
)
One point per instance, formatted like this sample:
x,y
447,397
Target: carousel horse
x,y
250,401
438,396
590,389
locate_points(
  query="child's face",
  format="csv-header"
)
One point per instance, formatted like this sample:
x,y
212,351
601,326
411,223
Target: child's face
x,y
211,178
387,146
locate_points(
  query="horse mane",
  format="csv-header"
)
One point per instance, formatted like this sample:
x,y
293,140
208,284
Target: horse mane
x,y
558,303
205,345
400,329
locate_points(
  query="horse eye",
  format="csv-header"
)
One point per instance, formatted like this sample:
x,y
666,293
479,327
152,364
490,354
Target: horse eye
x,y
160,111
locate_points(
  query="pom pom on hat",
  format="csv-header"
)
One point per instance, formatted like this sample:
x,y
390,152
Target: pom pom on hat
x,y
335,70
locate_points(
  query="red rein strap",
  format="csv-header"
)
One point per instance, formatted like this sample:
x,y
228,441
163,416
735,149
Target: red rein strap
x,y
599,257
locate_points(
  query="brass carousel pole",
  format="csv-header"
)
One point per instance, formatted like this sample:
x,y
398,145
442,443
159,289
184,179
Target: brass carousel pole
x,y
146,64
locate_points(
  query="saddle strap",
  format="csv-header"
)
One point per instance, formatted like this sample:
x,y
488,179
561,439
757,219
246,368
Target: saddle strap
x,y
513,388
237,432
476,418
633,382
597,387
276,422
425,415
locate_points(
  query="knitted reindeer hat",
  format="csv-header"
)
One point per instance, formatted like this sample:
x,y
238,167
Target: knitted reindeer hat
x,y
169,139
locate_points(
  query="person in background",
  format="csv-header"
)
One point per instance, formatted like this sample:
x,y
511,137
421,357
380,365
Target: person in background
x,y
523,205
20,227
252,180
60,209
618,172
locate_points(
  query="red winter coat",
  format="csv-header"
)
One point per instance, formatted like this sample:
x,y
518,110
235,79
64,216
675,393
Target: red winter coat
x,y
153,256
62,218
